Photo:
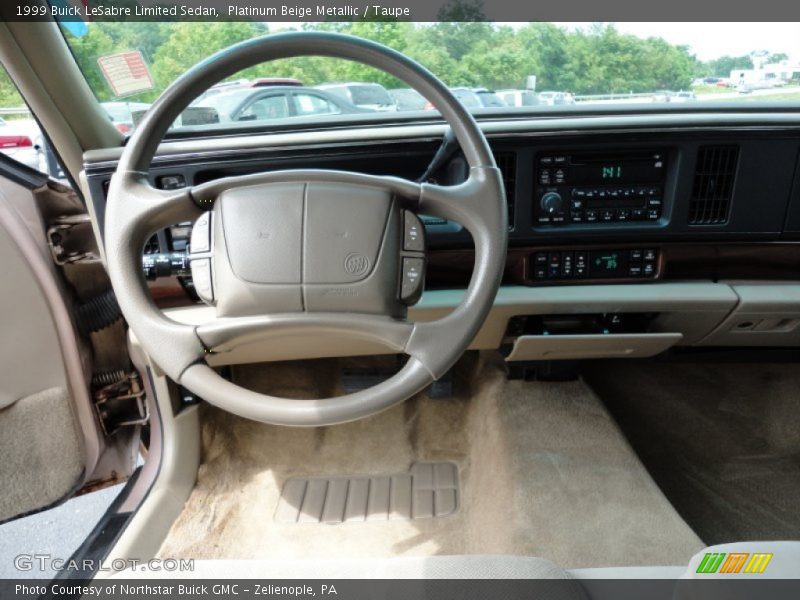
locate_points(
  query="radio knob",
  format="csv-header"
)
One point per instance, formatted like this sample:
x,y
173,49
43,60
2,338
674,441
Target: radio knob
x,y
552,202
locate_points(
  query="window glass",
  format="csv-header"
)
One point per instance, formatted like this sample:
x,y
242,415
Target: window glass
x,y
548,66
311,104
20,135
271,107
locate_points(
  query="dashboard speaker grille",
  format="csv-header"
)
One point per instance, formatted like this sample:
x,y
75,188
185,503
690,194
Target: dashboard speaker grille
x,y
507,163
713,185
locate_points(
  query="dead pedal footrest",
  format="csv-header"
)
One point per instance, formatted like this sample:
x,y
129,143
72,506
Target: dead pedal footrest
x,y
428,490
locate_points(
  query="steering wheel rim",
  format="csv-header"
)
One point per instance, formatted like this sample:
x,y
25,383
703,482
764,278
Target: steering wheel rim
x,y
135,209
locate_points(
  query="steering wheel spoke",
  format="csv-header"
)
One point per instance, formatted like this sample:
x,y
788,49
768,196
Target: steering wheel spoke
x,y
375,334
469,203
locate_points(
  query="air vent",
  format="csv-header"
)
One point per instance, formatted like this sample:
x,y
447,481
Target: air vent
x,y
507,163
713,185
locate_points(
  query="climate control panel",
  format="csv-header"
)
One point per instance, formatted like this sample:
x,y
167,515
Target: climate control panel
x,y
594,264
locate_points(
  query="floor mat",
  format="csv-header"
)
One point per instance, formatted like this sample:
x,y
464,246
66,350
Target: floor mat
x,y
543,471
427,491
721,440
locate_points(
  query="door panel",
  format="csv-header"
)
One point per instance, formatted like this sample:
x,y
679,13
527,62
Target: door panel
x,y
49,436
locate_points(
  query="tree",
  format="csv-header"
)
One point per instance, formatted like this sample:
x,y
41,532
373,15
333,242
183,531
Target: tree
x,y
9,96
87,49
776,58
191,42
463,50
722,66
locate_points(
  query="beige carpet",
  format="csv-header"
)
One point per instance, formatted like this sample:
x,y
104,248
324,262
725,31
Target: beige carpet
x,y
721,439
544,472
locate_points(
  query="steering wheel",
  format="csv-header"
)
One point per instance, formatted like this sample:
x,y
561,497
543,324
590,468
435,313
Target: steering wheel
x,y
304,256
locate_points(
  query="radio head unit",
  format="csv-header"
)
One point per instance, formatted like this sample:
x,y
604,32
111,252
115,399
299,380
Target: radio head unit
x,y
599,187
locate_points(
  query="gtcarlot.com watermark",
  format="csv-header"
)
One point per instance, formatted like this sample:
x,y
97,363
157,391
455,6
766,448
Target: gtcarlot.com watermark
x,y
31,563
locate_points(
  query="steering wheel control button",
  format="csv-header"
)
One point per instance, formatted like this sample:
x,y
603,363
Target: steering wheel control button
x,y
413,233
412,279
201,234
201,276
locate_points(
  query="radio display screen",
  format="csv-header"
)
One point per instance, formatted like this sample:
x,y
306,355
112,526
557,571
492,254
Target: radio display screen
x,y
621,169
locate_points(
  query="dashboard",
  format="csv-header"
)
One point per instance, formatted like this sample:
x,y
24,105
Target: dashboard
x,y
593,202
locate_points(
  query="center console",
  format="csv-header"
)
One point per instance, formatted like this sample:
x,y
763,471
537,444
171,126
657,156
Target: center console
x,y
599,187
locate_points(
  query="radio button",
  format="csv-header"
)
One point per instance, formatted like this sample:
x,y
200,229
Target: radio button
x,y
624,214
591,215
608,214
578,193
653,214
637,214
576,216
552,204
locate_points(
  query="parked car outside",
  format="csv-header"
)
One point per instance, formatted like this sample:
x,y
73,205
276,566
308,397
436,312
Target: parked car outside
x,y
551,98
683,96
22,140
372,96
518,98
275,102
467,97
408,99
663,96
122,113
490,99
225,86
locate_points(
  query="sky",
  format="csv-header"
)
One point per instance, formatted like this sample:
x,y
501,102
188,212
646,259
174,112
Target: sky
x,y
706,40
712,40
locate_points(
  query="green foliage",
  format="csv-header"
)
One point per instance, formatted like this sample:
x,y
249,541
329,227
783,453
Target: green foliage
x,y
722,67
9,97
470,52
776,58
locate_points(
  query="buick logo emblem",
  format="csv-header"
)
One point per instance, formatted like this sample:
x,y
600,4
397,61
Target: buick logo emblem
x,y
356,264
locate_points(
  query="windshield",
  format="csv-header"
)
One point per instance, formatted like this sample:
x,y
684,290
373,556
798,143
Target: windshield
x,y
538,67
